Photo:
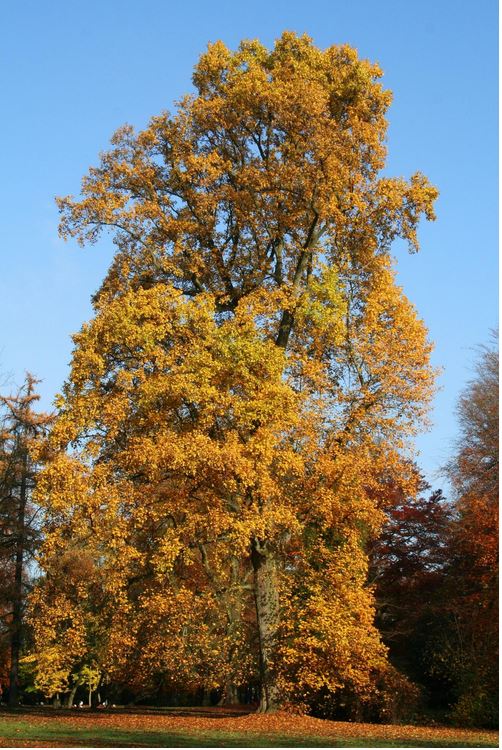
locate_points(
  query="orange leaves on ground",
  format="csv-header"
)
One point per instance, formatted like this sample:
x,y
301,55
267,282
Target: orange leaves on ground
x,y
192,721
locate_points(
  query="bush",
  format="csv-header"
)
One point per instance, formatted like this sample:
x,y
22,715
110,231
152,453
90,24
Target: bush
x,y
393,699
396,699
477,708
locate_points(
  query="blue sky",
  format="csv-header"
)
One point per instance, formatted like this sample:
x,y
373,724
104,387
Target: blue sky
x,y
72,72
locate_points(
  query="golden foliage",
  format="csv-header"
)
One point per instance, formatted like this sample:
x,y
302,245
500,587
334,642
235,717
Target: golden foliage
x,y
251,373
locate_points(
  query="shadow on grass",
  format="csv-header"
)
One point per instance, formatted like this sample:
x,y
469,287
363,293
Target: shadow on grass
x,y
23,731
12,732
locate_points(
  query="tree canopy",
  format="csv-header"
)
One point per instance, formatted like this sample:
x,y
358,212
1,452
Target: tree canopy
x,y
245,391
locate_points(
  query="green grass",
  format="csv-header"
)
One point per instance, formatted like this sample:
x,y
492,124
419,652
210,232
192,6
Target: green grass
x,y
23,731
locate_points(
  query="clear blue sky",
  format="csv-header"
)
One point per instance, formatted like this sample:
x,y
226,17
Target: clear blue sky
x,y
72,72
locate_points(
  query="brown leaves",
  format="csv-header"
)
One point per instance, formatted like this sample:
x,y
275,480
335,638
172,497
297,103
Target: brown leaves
x,y
218,724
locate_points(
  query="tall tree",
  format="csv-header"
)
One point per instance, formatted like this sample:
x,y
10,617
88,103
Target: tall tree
x,y
252,360
21,427
435,567
474,468
471,649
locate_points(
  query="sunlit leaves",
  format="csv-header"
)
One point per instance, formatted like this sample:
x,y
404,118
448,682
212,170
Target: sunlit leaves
x,y
250,374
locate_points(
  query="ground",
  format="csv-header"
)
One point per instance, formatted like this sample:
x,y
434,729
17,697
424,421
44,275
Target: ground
x,y
47,727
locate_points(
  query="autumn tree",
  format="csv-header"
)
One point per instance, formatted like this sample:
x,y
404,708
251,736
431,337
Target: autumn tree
x,y
469,650
435,567
252,367
20,428
409,565
474,469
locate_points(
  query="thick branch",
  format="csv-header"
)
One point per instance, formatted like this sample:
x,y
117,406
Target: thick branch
x,y
287,319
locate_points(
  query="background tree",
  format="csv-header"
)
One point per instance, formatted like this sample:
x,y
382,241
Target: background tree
x,y
470,653
408,568
21,427
474,469
251,360
435,568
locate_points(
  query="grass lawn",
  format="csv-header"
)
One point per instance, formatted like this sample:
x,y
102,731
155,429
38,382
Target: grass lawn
x,y
144,728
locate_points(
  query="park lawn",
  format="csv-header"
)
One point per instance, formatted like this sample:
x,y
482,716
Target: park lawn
x,y
50,728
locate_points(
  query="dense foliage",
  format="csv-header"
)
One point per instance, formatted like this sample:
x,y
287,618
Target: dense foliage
x,y
468,652
236,428
21,429
251,374
435,568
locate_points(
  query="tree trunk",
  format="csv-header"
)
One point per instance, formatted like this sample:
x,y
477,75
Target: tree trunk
x,y
71,697
266,590
17,604
230,696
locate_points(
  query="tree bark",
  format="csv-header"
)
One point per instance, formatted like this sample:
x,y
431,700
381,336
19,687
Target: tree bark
x,y
266,592
71,697
230,696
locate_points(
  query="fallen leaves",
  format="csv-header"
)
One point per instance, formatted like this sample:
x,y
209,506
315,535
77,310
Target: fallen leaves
x,y
225,721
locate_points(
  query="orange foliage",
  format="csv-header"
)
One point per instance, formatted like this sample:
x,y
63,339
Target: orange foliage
x,y
250,371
